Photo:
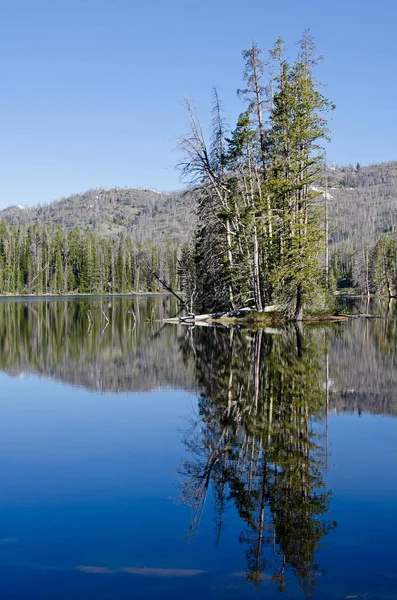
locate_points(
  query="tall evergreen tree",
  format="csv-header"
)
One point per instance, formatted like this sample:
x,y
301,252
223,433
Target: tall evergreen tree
x,y
258,239
297,125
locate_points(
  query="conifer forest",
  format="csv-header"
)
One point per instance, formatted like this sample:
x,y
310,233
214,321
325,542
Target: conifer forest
x,y
43,259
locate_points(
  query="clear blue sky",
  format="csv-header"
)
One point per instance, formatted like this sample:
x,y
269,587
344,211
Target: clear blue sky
x,y
91,90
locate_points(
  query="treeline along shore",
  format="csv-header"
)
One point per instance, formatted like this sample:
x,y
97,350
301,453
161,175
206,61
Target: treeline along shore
x,y
44,259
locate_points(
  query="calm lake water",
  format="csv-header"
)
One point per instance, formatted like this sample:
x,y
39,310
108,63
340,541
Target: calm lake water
x,y
146,460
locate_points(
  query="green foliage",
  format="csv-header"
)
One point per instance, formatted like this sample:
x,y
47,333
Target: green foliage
x,y
43,259
255,446
260,236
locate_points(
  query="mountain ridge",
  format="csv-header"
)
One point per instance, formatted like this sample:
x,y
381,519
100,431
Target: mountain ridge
x,y
362,206
142,213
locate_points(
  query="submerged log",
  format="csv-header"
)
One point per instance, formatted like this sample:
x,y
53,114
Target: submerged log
x,y
240,312
193,318
209,316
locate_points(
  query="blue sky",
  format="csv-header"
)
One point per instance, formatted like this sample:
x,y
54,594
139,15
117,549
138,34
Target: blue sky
x,y
91,90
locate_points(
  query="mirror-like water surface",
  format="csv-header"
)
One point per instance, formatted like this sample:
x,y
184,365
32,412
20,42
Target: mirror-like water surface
x,y
144,460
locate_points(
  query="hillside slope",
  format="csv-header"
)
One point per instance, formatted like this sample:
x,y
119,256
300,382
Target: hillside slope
x,y
362,207
362,202
142,213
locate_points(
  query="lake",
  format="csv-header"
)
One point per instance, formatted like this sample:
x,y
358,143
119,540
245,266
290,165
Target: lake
x,y
142,460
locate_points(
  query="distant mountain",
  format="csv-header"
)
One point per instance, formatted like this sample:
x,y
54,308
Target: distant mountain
x,y
362,204
142,213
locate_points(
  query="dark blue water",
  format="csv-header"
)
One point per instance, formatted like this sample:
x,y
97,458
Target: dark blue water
x,y
121,485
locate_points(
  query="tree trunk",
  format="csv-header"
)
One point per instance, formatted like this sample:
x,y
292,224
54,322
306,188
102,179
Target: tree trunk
x,y
230,261
298,316
326,232
257,284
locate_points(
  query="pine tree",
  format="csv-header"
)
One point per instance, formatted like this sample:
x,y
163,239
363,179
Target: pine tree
x,y
297,126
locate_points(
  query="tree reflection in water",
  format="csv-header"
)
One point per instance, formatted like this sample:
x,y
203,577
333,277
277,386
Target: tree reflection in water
x,y
103,344
258,444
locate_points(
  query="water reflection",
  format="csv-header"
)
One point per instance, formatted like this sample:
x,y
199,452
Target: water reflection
x,y
363,360
121,345
255,457
116,344
259,446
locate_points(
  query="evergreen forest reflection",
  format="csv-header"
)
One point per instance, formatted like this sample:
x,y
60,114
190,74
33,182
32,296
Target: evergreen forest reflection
x,y
260,444
122,345
104,344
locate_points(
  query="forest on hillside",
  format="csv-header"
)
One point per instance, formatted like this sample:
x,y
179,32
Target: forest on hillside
x,y
362,244
141,214
362,210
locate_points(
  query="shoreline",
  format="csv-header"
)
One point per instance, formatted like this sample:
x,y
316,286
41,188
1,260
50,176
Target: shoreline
x,y
72,295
